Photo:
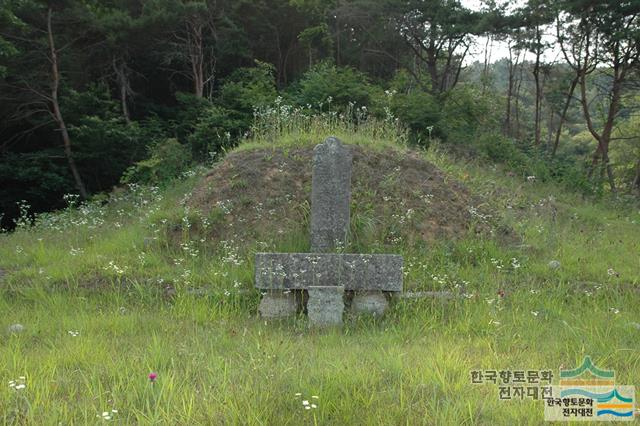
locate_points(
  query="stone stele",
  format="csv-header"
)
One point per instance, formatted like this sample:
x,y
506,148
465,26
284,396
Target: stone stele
x,y
330,195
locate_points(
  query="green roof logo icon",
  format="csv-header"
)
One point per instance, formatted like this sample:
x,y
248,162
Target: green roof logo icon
x,y
587,365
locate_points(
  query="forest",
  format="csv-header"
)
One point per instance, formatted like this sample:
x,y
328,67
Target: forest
x,y
98,94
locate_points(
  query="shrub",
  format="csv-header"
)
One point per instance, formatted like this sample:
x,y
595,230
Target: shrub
x,y
247,89
420,112
469,113
168,160
215,126
189,111
95,139
216,129
328,87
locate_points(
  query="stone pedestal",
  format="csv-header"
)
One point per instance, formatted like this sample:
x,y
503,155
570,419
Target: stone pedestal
x,y
371,302
325,305
278,304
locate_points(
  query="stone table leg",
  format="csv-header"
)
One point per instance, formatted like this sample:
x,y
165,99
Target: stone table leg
x,y
372,302
325,305
278,304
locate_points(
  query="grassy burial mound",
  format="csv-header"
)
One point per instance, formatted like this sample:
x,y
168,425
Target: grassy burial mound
x,y
161,281
396,195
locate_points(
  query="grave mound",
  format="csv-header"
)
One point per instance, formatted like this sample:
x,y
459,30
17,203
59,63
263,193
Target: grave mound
x,y
265,193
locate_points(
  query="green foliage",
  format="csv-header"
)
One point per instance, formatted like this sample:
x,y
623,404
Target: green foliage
x,y
328,87
248,88
626,152
189,110
168,160
212,132
97,139
202,125
99,131
7,49
38,177
212,127
94,101
421,113
571,175
468,113
529,161
318,35
500,149
460,116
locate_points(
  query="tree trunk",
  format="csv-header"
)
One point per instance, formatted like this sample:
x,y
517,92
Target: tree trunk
x,y
195,47
614,106
536,78
123,102
338,35
55,105
517,106
595,159
604,139
123,87
432,68
563,116
485,70
512,69
552,113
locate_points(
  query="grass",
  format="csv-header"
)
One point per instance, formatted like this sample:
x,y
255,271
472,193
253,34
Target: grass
x,y
112,274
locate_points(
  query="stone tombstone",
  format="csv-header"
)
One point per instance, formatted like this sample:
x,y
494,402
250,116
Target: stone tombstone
x,y
324,274
330,195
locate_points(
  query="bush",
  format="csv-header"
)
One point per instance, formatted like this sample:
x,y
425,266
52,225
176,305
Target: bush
x,y
247,89
500,149
327,87
215,126
168,160
40,177
189,111
455,117
468,113
216,130
420,112
527,160
95,139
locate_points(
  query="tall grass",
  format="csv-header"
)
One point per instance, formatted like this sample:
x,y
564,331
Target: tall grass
x,y
282,125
